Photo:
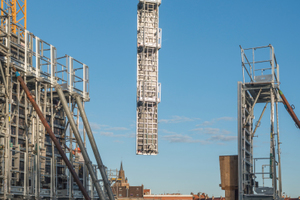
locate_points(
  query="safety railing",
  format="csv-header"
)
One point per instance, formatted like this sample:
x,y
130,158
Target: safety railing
x,y
35,57
73,75
151,1
259,65
264,175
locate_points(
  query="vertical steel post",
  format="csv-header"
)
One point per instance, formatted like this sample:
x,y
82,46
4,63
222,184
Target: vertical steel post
x,y
53,171
94,147
272,63
7,132
70,183
37,140
240,167
27,143
278,149
52,66
79,141
272,152
51,180
84,81
85,174
71,71
37,56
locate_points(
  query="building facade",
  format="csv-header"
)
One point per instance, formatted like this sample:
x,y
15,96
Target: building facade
x,y
122,189
168,197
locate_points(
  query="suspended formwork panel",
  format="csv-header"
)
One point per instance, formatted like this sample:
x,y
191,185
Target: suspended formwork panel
x,y
260,86
148,88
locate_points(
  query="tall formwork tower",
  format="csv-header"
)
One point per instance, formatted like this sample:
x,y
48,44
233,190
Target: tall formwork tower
x,y
148,88
31,165
260,86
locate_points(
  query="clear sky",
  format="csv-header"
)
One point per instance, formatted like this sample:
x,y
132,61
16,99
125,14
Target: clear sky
x,y
199,67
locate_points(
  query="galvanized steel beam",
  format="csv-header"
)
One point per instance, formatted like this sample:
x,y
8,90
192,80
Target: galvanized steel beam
x,y
94,147
79,141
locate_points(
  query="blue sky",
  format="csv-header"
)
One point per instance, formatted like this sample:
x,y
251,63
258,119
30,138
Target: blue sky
x,y
199,68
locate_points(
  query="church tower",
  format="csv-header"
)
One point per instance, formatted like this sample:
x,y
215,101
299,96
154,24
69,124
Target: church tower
x,y
122,180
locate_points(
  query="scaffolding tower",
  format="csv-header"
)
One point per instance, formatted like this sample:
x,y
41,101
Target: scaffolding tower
x,y
148,88
30,165
260,85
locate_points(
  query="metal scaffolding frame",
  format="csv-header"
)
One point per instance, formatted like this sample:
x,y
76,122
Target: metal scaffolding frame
x,y
30,165
260,85
148,88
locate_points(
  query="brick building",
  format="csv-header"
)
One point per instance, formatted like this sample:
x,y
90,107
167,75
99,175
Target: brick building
x,y
147,191
168,197
122,189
